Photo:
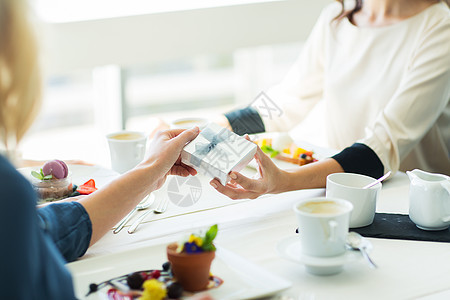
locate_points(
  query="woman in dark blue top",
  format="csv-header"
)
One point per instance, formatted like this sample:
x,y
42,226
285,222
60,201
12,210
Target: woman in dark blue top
x,y
36,243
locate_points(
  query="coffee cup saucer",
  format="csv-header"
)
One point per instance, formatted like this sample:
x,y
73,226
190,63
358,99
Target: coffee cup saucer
x,y
290,249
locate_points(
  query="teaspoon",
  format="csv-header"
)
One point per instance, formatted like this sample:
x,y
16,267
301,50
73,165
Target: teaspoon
x,y
378,180
358,242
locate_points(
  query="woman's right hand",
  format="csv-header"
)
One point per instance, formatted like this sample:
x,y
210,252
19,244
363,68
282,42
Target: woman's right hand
x,y
108,205
165,153
270,179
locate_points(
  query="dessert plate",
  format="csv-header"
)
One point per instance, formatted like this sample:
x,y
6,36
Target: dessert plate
x,y
319,152
290,248
241,278
81,174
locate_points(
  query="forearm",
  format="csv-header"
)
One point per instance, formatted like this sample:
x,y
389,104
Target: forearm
x,y
107,206
309,176
358,158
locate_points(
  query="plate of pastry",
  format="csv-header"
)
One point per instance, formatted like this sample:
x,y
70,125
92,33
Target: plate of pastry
x,y
56,180
287,153
233,277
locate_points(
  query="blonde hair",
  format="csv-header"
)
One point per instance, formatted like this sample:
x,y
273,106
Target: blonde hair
x,y
20,83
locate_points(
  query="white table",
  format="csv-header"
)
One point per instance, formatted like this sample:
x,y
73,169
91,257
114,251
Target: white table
x,y
252,229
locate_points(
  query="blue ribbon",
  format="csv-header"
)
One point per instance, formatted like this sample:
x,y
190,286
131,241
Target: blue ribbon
x,y
202,149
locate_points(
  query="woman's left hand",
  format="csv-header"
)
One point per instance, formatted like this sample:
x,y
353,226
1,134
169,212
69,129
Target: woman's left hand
x,y
269,180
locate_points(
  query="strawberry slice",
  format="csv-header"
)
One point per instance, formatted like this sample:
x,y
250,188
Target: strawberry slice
x,y
90,183
87,188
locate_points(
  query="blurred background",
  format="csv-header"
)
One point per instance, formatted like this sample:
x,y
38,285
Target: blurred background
x,y
114,64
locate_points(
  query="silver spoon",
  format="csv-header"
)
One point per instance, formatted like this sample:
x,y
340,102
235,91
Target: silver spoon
x,y
378,180
144,204
358,242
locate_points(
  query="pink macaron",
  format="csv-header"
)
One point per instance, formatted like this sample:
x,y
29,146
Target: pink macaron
x,y
57,168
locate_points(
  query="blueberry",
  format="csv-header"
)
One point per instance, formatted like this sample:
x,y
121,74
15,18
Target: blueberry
x,y
174,290
135,281
166,266
303,155
92,289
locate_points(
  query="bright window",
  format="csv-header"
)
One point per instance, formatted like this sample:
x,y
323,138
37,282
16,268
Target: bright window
x,y
57,11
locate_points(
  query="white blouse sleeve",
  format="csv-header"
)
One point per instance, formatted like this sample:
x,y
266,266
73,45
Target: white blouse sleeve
x,y
302,87
420,99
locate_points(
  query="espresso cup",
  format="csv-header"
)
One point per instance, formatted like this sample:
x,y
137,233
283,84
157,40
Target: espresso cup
x,y
127,149
323,226
187,123
349,186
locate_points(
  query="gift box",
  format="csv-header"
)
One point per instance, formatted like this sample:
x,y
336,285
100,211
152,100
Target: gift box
x,y
217,151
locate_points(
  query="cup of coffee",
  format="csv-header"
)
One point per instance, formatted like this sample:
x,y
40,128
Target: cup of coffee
x,y
349,186
187,123
323,225
127,149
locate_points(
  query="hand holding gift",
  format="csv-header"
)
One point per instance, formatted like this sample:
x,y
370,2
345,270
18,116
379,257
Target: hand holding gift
x,y
217,151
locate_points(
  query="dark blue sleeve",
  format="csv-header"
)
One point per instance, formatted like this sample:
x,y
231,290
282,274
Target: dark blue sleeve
x,y
246,120
69,226
361,159
31,266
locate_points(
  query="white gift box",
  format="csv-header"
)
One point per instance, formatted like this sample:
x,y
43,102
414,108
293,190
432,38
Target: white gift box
x,y
217,151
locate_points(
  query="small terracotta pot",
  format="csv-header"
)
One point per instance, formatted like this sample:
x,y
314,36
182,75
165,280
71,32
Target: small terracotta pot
x,y
190,270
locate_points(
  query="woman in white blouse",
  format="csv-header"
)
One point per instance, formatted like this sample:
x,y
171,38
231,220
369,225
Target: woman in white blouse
x,y
382,70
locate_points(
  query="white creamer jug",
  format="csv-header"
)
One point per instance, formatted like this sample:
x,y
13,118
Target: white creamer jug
x,y
429,200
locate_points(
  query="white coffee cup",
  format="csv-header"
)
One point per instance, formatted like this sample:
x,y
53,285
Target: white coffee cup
x,y
323,226
349,186
187,123
127,149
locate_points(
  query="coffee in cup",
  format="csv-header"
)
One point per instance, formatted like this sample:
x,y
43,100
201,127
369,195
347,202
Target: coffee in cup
x,y
323,225
187,123
321,208
127,149
127,136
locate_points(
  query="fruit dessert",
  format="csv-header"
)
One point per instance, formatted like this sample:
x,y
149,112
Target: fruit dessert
x,y
53,182
283,148
185,259
191,260
157,284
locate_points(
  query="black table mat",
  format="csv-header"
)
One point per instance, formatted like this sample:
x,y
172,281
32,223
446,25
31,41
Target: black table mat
x,y
397,226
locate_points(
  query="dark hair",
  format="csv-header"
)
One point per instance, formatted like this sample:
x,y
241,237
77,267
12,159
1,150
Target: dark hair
x,y
348,13
358,5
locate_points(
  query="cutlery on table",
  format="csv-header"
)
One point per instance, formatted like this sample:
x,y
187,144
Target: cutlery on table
x,y
144,204
158,210
358,242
